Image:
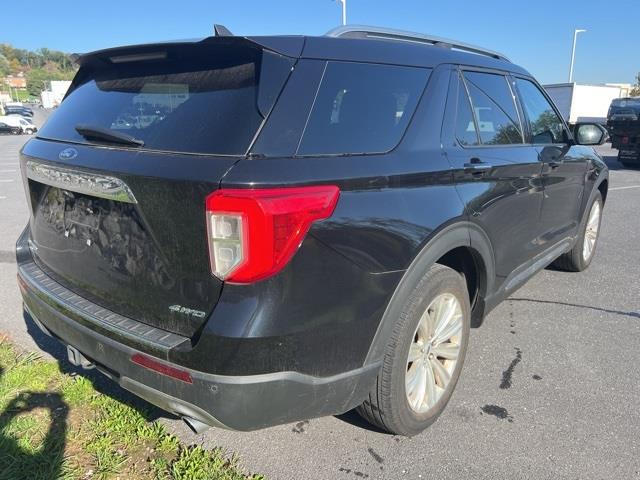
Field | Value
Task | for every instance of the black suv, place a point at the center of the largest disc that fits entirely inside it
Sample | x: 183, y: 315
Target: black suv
x: 248, y: 231
x: 623, y: 122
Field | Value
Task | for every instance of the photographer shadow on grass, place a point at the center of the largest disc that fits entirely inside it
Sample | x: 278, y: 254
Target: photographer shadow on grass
x: 27, y: 451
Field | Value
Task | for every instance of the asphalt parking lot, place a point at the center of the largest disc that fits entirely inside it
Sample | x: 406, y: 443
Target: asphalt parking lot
x: 550, y: 387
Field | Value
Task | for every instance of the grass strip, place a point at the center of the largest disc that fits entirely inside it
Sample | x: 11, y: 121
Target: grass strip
x: 55, y: 424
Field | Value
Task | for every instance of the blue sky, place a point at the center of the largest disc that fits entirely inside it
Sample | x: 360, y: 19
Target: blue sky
x: 534, y: 34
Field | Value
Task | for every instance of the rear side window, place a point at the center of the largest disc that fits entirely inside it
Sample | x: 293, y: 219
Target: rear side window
x: 208, y: 99
x: 494, y: 108
x: 545, y: 124
x: 361, y: 108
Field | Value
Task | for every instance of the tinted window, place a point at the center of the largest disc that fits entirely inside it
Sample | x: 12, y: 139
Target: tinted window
x: 199, y: 99
x: 494, y: 108
x: 624, y: 109
x: 362, y: 108
x: 626, y: 102
x: 466, y: 132
x: 546, y: 127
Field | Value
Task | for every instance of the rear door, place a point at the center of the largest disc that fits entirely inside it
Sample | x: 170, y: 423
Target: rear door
x: 497, y: 175
x: 117, y: 178
x: 564, y: 165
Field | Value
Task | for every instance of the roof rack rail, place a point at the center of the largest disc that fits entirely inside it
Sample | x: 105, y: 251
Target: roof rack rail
x: 364, y: 31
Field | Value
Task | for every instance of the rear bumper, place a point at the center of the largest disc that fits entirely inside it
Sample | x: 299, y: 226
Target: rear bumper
x: 235, y: 402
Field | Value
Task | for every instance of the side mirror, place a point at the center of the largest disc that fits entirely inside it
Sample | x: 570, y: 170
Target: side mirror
x: 589, y: 134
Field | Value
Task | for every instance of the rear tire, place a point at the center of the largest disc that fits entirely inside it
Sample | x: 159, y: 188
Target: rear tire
x: 397, y: 402
x: 580, y: 256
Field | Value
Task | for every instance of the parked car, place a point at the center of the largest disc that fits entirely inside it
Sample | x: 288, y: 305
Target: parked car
x: 313, y: 226
x: 24, y: 111
x: 18, y: 121
x: 623, y: 122
x: 12, y: 129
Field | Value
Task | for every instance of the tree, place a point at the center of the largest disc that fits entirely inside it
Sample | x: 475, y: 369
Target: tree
x: 635, y: 91
x: 5, y: 68
x: 15, y: 66
x: 36, y: 79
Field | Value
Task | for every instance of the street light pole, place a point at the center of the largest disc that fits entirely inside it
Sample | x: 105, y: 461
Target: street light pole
x: 344, y: 11
x: 573, y: 52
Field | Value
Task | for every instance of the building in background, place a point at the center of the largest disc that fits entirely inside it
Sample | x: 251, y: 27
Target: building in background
x: 625, y: 88
x: 53, y: 95
x: 16, y: 81
x: 585, y: 103
x: 15, y: 87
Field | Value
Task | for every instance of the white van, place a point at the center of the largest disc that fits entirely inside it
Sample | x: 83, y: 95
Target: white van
x: 17, y: 121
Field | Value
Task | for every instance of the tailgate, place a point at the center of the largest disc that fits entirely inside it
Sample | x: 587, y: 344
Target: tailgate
x: 139, y: 249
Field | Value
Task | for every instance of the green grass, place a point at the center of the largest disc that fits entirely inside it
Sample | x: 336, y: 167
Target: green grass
x: 23, y: 95
x: 54, y: 425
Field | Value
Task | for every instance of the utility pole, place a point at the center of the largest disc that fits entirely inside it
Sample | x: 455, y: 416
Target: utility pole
x: 573, y: 52
x: 344, y: 11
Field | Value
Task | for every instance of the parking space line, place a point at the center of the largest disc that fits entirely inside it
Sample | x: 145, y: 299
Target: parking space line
x: 6, y: 180
x: 3, y: 198
x: 7, y: 171
x: 624, y: 188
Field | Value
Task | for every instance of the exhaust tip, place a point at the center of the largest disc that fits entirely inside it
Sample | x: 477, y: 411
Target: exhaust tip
x: 196, y: 426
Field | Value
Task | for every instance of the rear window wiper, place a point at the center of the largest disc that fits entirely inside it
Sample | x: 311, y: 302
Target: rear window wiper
x: 105, y: 135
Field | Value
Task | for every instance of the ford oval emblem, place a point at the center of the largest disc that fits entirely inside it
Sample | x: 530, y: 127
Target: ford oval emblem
x: 68, y: 154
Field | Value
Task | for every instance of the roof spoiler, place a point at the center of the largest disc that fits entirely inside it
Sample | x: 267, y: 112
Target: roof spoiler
x: 290, y: 46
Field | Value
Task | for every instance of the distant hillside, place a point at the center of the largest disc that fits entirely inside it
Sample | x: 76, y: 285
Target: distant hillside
x: 37, y: 66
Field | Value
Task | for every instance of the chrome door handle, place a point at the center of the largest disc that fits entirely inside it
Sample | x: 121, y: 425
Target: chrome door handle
x: 477, y: 167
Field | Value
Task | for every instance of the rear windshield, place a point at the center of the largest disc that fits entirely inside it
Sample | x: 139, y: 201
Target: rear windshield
x: 625, y: 106
x: 208, y: 99
x: 626, y: 102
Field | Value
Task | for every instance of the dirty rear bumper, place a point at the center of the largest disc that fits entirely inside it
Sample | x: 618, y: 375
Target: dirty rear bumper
x: 235, y: 402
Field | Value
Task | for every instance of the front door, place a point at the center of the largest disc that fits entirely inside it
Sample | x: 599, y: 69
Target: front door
x: 564, y: 166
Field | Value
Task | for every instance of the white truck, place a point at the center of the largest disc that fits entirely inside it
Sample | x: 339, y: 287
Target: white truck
x: 583, y: 103
x: 52, y: 97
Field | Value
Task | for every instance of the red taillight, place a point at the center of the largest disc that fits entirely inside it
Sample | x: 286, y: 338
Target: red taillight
x: 254, y: 233
x: 162, y: 368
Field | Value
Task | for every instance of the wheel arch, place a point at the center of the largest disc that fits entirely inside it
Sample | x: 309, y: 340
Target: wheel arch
x: 461, y: 246
x: 603, y: 188
x: 601, y: 185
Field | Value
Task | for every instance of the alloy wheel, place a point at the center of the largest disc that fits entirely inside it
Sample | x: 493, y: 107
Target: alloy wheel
x: 433, y: 353
x: 591, y: 232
